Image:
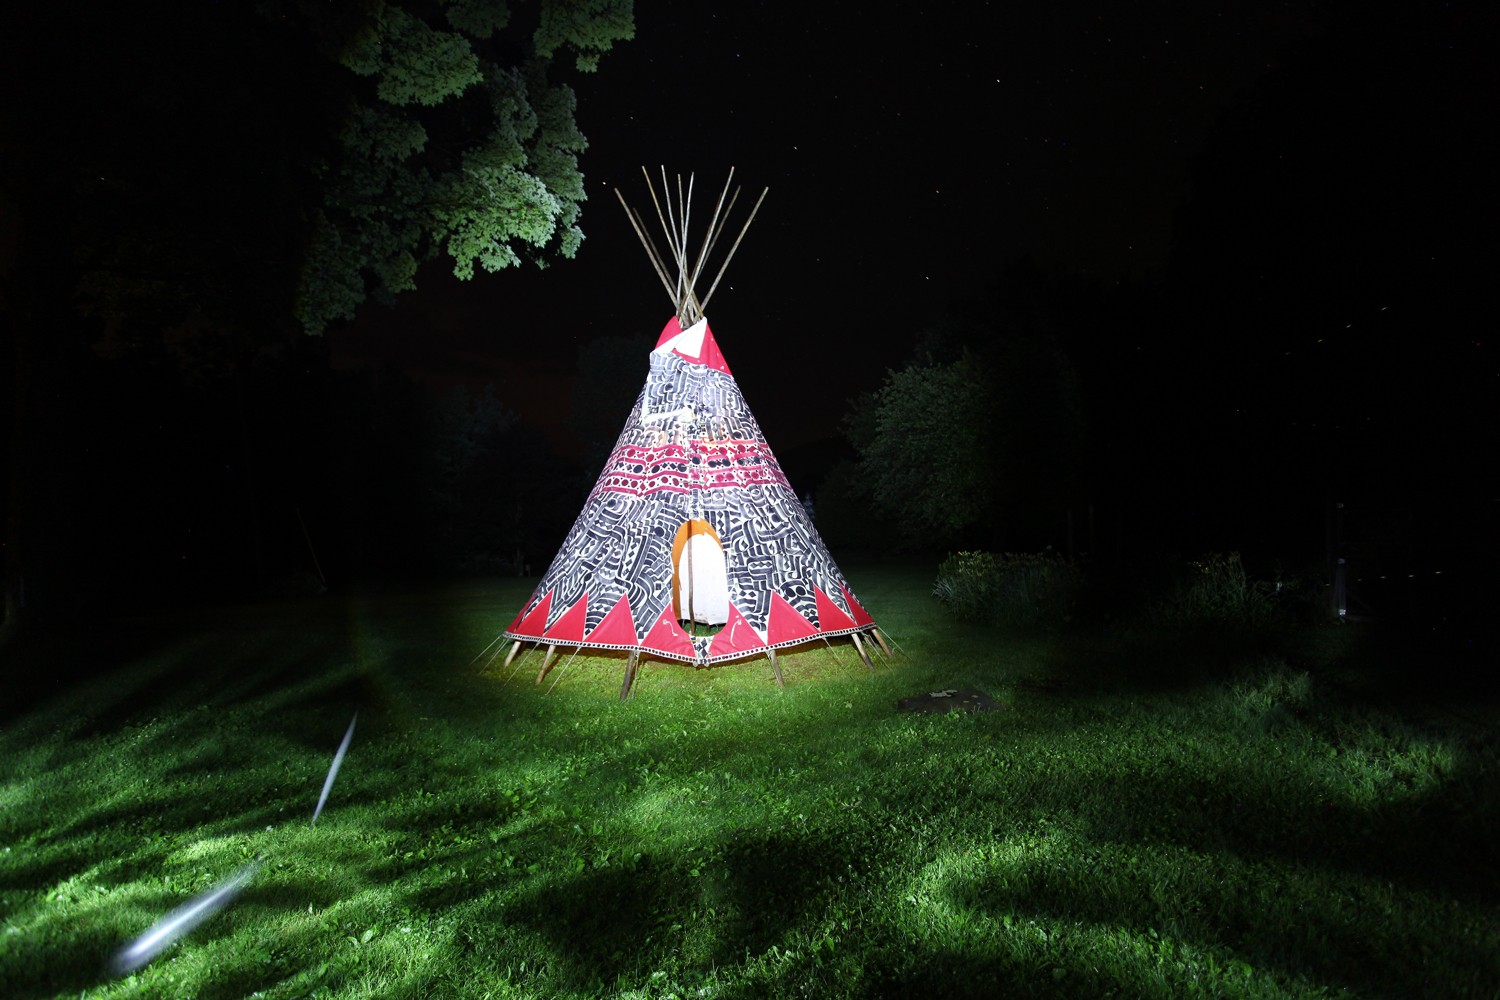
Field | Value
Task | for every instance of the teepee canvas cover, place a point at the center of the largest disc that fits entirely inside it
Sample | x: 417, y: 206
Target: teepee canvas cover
x: 690, y: 519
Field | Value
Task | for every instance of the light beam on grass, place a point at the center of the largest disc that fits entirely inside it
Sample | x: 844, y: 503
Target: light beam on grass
x: 333, y: 772
x: 180, y: 922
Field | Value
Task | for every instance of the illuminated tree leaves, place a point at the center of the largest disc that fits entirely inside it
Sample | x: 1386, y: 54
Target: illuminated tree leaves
x: 502, y: 181
x: 588, y: 26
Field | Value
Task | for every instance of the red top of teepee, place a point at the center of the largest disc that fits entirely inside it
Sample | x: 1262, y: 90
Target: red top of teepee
x: 695, y: 345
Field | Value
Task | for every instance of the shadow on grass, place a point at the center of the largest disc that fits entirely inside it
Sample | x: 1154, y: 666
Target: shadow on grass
x: 1154, y: 662
x: 464, y: 850
x: 1344, y: 940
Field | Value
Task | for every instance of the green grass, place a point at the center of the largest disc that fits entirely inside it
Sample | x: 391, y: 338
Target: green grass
x: 1143, y: 821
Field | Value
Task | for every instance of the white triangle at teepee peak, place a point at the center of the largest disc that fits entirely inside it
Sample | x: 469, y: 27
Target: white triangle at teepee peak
x: 688, y: 343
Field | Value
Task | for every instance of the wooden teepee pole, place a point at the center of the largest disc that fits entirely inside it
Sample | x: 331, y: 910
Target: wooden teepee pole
x: 684, y: 208
x: 650, y: 250
x: 669, y: 228
x: 734, y: 248
x: 546, y: 663
x: 674, y: 221
x: 674, y: 233
x: 709, y: 235
x: 722, y: 223
x: 687, y: 213
x: 666, y: 228
x: 631, y: 660
x: 661, y: 261
x: 861, y: 647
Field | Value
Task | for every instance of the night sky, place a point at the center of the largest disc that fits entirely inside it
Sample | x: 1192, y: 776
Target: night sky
x: 1262, y: 233
x: 910, y: 150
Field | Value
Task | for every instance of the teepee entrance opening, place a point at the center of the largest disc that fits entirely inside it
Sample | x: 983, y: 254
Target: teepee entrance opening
x: 700, y: 580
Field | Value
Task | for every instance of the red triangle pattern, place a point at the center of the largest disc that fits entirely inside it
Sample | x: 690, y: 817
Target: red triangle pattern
x: 830, y: 618
x: 784, y: 624
x: 536, y: 622
x: 667, y: 636
x: 569, y: 625
x: 618, y: 627
x: 861, y: 616
x: 711, y: 355
x: 736, y: 636
x: 672, y: 329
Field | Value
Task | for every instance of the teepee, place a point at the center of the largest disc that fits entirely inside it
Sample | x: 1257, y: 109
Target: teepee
x: 691, y: 520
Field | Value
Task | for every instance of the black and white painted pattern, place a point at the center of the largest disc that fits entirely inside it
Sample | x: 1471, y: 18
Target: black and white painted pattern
x: 691, y: 448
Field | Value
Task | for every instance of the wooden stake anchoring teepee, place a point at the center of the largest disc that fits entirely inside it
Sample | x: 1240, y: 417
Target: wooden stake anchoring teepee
x: 674, y: 224
x: 692, y: 520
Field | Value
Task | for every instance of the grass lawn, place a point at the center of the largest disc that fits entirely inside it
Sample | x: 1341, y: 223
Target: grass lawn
x: 1147, y: 818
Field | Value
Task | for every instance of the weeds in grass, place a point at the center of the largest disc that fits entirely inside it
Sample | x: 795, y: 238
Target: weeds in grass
x: 1010, y: 589
x: 1217, y: 594
x: 1258, y: 838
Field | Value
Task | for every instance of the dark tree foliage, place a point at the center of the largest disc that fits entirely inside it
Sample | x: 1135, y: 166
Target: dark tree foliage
x: 257, y: 165
x: 844, y: 516
x: 611, y: 372
x: 189, y: 187
x: 981, y: 439
x: 503, y: 497
x: 442, y: 484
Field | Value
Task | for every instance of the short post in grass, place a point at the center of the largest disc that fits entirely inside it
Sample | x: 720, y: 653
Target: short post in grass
x: 491, y: 661
x: 515, y: 647
x: 546, y: 663
x: 771, y: 655
x: 861, y: 648
x: 521, y: 662
x: 631, y: 660
x: 881, y: 639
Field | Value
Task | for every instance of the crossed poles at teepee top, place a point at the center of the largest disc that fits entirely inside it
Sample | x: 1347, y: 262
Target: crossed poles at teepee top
x: 674, y: 223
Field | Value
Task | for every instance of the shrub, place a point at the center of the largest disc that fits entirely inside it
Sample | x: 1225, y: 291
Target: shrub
x: 1218, y: 594
x: 1017, y: 589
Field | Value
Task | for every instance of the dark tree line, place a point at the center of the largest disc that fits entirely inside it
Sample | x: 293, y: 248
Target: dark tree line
x: 981, y: 440
x: 188, y: 190
x: 1320, y: 337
